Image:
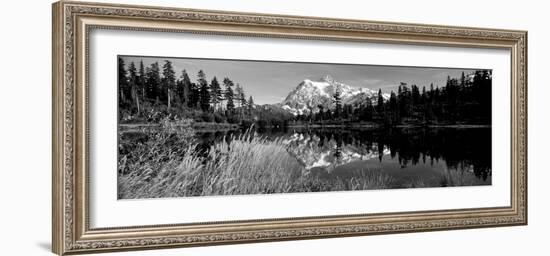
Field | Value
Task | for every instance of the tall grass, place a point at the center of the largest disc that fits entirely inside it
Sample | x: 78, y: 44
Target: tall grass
x: 246, y: 165
x: 167, y: 164
x: 457, y: 177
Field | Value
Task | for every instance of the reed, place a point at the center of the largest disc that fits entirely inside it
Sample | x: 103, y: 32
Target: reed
x: 168, y: 165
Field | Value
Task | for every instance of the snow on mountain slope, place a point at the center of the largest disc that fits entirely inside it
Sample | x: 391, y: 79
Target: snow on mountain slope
x: 309, y: 95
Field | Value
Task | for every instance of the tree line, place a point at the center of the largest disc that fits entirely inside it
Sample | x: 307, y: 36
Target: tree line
x: 463, y: 100
x: 147, y: 94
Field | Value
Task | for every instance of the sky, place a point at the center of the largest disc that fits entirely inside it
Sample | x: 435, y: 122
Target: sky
x: 270, y: 82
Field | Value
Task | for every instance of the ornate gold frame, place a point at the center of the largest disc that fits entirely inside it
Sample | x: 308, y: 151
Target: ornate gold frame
x: 72, y: 22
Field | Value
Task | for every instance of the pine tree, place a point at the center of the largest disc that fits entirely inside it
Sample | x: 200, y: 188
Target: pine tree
x: 169, y: 80
x: 204, y: 94
x: 380, y: 104
x: 337, y: 101
x: 393, y: 109
x: 428, y: 112
x: 462, y: 79
x: 404, y: 101
x: 321, y: 113
x: 148, y: 88
x: 240, y: 98
x: 153, y: 82
x: 229, y: 95
x: 423, y: 95
x: 122, y: 81
x: 347, y: 111
x: 194, y: 96
x: 216, y: 93
x: 431, y: 92
x: 142, y: 81
x: 133, y: 83
x: 204, y: 97
x: 184, y: 88
x: 415, y: 95
x: 250, y: 105
x: 238, y: 95
x: 367, y: 111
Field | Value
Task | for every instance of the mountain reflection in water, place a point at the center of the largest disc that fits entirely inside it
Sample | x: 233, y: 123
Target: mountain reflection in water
x: 423, y: 157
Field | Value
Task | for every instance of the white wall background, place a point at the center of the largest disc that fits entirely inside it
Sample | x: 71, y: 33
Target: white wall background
x: 25, y: 114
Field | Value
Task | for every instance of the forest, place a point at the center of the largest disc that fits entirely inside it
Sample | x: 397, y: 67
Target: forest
x: 150, y: 94
x: 461, y: 101
x: 156, y: 92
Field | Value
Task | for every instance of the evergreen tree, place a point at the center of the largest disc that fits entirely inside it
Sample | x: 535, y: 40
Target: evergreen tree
x: 462, y: 79
x: 380, y: 104
x: 393, y: 109
x: 201, y: 78
x: 204, y: 94
x: 404, y: 101
x: 415, y: 93
x: 367, y: 111
x: 328, y: 114
x: 142, y: 81
x: 229, y: 95
x: 451, y: 93
x: 240, y: 98
x: 153, y: 82
x: 250, y: 105
x: 216, y: 93
x: 184, y: 88
x: 425, y: 103
x: 347, y: 111
x: 337, y: 101
x: 194, y: 96
x: 423, y: 95
x: 169, y: 81
x: 431, y: 92
x: 239, y: 93
x: 122, y: 81
x: 320, y: 115
x: 133, y: 83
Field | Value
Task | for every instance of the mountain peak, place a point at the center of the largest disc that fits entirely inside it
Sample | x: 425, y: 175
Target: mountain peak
x: 310, y: 96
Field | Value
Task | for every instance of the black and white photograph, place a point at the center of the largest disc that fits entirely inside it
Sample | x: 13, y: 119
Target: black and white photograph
x: 275, y: 127
x: 211, y: 127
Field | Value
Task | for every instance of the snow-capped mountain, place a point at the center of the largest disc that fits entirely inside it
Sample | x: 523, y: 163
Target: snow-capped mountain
x: 309, y: 95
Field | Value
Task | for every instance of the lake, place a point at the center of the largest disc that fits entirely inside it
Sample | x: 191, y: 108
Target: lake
x: 411, y: 156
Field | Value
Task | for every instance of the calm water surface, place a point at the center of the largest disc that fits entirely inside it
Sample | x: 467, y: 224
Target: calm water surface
x: 423, y: 157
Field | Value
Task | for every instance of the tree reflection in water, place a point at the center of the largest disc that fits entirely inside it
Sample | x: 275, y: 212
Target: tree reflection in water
x: 418, y: 152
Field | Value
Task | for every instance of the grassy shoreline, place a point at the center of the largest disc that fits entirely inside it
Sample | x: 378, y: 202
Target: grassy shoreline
x: 203, y: 126
x: 249, y: 165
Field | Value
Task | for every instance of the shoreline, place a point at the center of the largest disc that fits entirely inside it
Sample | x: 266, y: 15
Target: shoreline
x: 377, y: 125
x: 204, y: 126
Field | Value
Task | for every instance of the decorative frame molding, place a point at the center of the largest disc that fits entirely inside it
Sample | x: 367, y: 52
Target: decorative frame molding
x: 72, y: 22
